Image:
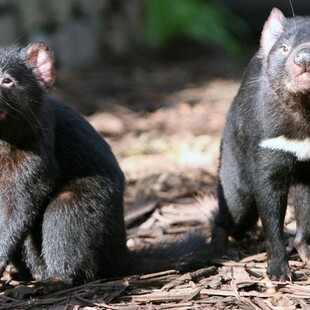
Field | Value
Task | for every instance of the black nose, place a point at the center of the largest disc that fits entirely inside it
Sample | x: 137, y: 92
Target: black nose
x: 302, y: 58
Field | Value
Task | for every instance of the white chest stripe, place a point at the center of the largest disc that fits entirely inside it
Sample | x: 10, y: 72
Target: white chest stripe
x: 300, y: 148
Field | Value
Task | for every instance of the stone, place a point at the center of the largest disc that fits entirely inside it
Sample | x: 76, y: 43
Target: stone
x: 76, y: 45
x: 92, y: 7
x: 4, y: 4
x: 31, y: 13
x: 59, y: 11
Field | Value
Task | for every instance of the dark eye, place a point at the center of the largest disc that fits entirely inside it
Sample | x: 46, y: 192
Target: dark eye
x: 7, y: 82
x: 285, y: 48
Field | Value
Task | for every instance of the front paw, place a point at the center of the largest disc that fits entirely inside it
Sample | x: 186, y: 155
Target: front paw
x: 279, y: 271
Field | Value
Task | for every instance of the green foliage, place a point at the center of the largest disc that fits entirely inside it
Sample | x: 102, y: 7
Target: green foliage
x: 201, y: 20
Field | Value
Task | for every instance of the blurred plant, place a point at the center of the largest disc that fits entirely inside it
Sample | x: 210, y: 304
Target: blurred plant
x: 201, y: 20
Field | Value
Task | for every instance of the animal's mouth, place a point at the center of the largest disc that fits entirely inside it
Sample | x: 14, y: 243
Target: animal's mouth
x: 299, y: 82
x: 303, y: 76
x: 302, y: 82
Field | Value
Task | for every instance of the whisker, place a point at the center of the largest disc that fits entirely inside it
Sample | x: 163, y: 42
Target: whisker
x: 292, y: 8
x: 293, y: 13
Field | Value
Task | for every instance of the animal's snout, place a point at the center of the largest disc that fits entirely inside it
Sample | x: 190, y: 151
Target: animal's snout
x: 302, y: 58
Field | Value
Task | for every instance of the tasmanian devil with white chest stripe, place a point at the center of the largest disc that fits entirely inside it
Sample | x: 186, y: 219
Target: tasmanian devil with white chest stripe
x: 265, y: 149
x: 61, y: 189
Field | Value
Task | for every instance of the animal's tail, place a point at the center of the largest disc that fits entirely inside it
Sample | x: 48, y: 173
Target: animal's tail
x: 188, y: 253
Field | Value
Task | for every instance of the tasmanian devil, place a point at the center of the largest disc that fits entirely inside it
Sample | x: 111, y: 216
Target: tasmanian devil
x: 265, y: 149
x: 61, y: 189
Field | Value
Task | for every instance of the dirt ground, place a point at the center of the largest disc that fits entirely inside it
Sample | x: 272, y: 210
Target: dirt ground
x: 163, y: 119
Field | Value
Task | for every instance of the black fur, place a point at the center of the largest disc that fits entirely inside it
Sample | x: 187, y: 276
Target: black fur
x: 273, y: 101
x: 61, y: 189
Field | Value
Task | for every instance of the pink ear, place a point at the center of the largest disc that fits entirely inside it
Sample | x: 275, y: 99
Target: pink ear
x: 273, y: 28
x: 41, y: 59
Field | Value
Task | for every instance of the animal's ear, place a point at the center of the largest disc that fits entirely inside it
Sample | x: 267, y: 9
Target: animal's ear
x: 273, y: 28
x: 40, y: 58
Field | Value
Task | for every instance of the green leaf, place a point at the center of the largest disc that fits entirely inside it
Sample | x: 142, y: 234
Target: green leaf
x: 200, y: 20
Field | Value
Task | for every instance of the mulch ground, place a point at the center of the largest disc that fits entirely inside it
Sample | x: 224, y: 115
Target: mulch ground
x: 164, y: 121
